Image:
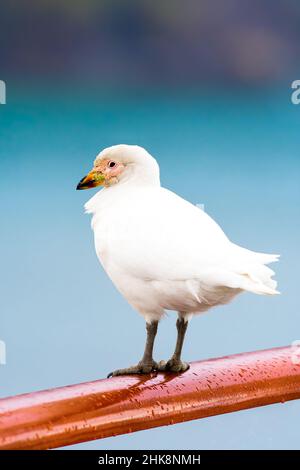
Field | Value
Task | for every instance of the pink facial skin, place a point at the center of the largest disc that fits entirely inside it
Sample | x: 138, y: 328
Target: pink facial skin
x: 110, y: 169
x: 114, y: 171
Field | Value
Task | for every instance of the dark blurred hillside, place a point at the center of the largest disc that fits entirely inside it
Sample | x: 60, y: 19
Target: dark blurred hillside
x: 233, y: 42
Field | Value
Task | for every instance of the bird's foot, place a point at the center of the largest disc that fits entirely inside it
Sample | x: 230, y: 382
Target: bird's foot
x: 140, y: 368
x: 173, y: 365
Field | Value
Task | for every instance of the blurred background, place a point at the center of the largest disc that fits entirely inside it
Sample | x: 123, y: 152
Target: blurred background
x: 205, y: 86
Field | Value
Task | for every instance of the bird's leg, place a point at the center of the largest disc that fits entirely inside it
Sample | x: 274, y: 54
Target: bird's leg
x: 147, y: 364
x: 175, y: 364
x: 148, y: 353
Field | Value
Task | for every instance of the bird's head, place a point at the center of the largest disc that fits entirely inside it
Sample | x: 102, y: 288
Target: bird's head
x: 121, y: 163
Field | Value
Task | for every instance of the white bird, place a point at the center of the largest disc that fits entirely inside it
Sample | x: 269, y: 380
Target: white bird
x: 162, y: 252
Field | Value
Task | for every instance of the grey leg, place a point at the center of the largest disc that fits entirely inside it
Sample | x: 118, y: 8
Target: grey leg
x: 147, y: 364
x: 175, y: 364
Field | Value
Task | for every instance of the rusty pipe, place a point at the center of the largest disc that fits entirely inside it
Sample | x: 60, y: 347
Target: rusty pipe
x: 94, y: 410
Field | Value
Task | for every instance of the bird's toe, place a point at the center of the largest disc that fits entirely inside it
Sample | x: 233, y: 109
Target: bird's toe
x: 140, y: 368
x: 173, y: 365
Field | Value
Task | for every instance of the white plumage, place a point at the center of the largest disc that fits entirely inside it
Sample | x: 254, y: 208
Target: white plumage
x: 162, y: 252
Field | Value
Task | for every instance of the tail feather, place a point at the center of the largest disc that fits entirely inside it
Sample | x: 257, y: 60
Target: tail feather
x: 258, y: 277
x: 267, y: 259
x: 254, y: 275
x: 258, y: 285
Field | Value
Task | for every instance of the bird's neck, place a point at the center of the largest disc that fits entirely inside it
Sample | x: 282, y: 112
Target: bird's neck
x: 118, y: 191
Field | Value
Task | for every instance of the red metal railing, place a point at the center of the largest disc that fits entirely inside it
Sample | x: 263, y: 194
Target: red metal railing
x: 94, y: 410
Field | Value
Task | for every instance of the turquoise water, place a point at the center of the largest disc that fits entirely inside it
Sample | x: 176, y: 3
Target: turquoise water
x: 61, y: 318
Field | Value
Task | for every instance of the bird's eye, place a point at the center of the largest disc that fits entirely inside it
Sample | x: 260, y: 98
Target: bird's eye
x: 111, y: 164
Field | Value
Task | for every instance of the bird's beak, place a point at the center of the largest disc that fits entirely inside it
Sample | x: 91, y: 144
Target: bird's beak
x: 93, y: 179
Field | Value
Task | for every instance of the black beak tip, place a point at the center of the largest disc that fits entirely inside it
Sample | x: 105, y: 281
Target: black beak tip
x: 80, y: 185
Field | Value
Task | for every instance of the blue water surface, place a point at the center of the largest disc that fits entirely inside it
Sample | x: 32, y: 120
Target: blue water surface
x: 63, y: 321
